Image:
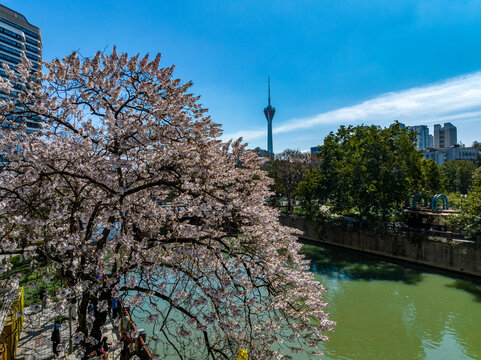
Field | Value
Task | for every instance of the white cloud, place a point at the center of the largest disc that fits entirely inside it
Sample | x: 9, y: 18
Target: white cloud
x: 245, y: 134
x: 454, y: 99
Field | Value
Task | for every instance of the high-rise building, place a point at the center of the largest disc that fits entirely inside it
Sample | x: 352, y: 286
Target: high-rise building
x: 269, y: 112
x: 18, y: 36
x: 446, y: 136
x: 422, y: 136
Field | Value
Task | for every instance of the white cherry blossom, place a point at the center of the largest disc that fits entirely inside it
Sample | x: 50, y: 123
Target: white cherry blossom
x: 127, y: 191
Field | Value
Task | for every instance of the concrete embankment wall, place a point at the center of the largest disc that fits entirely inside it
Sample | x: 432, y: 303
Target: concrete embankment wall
x: 454, y: 256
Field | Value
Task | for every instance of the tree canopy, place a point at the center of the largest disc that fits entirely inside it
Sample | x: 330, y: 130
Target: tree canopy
x: 458, y: 175
x: 367, y: 170
x: 127, y: 190
x: 288, y: 169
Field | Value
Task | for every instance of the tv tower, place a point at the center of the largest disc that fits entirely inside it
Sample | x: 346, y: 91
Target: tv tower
x: 269, y: 112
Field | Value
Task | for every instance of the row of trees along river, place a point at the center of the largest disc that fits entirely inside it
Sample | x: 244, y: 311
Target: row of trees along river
x: 366, y: 172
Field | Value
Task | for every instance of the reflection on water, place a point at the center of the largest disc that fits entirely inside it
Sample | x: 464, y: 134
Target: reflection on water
x: 469, y: 287
x: 347, y: 265
x: 387, y: 310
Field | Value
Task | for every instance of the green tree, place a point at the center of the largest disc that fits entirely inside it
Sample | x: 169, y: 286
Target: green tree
x: 469, y: 216
x: 477, y: 178
x: 457, y: 175
x: 366, y: 170
x: 310, y: 192
x: 432, y: 179
x: 288, y: 169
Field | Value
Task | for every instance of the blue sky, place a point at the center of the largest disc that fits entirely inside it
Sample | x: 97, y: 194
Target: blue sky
x: 330, y: 62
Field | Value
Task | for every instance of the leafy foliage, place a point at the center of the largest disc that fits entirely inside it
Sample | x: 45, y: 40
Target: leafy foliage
x: 432, y: 180
x: 469, y: 216
x: 33, y: 279
x: 477, y: 178
x: 458, y: 175
x: 288, y: 169
x: 367, y: 170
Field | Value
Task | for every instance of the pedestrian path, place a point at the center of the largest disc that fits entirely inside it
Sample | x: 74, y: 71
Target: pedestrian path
x: 35, y: 340
x: 35, y: 343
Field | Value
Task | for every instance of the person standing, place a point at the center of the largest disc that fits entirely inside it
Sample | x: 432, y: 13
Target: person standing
x: 115, y: 308
x: 104, y: 349
x: 125, y: 339
x: 55, y: 339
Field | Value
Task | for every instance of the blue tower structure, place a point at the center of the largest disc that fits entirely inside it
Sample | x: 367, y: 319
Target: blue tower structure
x: 269, y: 112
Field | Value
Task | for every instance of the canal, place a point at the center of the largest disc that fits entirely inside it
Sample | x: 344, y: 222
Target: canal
x: 387, y: 310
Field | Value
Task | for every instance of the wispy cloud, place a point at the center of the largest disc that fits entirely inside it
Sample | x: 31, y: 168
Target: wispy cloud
x: 454, y: 99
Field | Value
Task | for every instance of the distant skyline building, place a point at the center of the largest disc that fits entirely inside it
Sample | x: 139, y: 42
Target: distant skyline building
x: 18, y: 36
x: 422, y: 136
x: 440, y: 156
x: 446, y: 136
x: 269, y: 112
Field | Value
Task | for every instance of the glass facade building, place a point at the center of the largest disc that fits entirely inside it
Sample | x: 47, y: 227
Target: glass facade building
x: 422, y: 136
x: 18, y: 36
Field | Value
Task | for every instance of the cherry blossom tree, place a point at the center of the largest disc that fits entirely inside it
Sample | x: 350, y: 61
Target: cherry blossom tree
x: 127, y: 191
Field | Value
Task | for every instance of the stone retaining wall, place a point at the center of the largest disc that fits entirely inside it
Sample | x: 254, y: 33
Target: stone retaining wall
x: 449, y: 255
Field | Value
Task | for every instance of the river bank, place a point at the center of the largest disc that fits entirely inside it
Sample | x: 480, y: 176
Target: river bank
x: 461, y: 257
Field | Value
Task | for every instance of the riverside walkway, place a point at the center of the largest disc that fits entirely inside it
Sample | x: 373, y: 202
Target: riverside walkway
x: 35, y: 340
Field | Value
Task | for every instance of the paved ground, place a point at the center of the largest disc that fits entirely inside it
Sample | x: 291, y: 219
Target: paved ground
x: 35, y: 343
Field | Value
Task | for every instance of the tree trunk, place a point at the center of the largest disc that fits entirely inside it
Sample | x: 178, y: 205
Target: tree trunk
x: 82, y: 313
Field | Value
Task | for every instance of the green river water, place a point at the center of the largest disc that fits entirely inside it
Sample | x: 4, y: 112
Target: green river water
x: 387, y: 310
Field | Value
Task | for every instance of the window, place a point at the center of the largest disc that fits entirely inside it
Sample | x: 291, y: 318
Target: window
x: 31, y: 49
x: 10, y: 33
x: 10, y: 66
x: 9, y: 50
x: 9, y: 58
x: 32, y: 57
x: 33, y: 42
x: 30, y: 33
x: 10, y: 42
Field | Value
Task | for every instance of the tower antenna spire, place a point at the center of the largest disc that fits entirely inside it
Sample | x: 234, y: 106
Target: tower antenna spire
x: 269, y: 90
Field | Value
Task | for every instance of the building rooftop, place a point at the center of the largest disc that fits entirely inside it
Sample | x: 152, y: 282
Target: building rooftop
x: 17, y: 18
